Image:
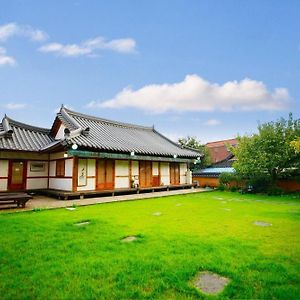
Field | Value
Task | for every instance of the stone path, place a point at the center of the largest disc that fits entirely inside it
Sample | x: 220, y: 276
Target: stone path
x: 210, y: 283
x: 43, y: 202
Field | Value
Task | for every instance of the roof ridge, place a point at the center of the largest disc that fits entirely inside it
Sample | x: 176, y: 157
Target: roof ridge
x: 28, y: 126
x: 226, y: 140
x: 176, y: 144
x: 124, y: 124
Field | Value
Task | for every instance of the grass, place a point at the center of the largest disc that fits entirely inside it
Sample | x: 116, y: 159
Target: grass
x: 44, y: 255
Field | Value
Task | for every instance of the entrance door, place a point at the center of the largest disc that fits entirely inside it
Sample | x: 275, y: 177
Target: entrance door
x: 105, y: 174
x: 145, y: 173
x: 174, y: 174
x: 17, y: 175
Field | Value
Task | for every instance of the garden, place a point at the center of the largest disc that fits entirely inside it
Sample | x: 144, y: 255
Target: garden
x: 154, y: 249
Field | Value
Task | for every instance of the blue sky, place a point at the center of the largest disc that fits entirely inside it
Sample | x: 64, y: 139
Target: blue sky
x: 210, y: 69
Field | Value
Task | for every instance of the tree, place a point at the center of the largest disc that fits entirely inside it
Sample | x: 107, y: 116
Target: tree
x: 192, y: 142
x: 269, y: 153
x: 296, y: 145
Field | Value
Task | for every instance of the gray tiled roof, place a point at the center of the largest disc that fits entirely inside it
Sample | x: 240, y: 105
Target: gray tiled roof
x: 114, y: 136
x: 23, y: 137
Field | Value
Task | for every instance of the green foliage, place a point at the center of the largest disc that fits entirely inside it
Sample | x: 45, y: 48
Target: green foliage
x: 228, y: 178
x: 221, y: 187
x: 192, y: 142
x: 233, y: 188
x: 269, y: 152
x: 296, y: 145
x: 259, y: 184
x: 275, y: 191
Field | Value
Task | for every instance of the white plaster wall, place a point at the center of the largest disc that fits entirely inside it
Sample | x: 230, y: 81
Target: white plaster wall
x: 37, y: 174
x: 36, y: 183
x: 3, y: 184
x: 189, y: 177
x: 90, y: 185
x: 121, y: 174
x: 121, y: 182
x: 165, y: 173
x: 91, y: 171
x: 154, y: 168
x: 121, y: 168
x: 183, y: 169
x: 60, y: 133
x: 135, y: 168
x: 52, y: 169
x: 61, y: 184
x: 69, y: 167
x: 3, y: 168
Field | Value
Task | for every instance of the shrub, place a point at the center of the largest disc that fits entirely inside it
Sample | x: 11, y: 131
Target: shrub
x: 272, y: 191
x: 260, y: 184
x: 221, y: 187
x: 233, y: 188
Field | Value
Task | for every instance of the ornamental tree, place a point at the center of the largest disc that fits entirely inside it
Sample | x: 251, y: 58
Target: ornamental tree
x: 192, y: 142
x: 269, y: 152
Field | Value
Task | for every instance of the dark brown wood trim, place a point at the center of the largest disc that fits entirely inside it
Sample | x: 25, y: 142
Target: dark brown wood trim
x: 55, y: 127
x: 61, y: 177
x: 28, y: 159
x: 62, y: 158
x: 130, y: 172
x: 75, y: 174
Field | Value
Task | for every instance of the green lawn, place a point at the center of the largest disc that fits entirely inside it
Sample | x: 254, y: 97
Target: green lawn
x: 43, y: 255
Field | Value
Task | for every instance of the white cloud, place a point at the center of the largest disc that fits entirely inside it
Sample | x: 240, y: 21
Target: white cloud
x: 196, y: 94
x: 67, y: 50
x: 15, y: 106
x: 13, y: 29
x: 89, y: 47
x: 212, y: 122
x: 5, y: 59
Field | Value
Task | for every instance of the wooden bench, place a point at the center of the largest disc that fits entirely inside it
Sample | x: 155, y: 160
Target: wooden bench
x: 14, y: 198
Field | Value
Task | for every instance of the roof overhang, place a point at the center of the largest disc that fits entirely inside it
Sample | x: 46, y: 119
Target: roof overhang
x: 91, y: 154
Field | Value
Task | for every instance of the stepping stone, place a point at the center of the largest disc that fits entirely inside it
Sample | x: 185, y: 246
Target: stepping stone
x: 210, y: 283
x: 227, y: 209
x: 82, y: 223
x: 262, y: 223
x: 178, y: 204
x: 224, y: 202
x: 70, y: 208
x: 129, y: 239
x: 157, y: 213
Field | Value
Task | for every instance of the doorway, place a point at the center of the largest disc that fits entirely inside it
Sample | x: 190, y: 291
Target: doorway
x: 174, y: 174
x: 105, y: 174
x: 145, y: 174
x: 17, y: 175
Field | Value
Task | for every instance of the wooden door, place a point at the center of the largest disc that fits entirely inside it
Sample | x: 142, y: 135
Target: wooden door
x: 145, y: 173
x: 174, y: 174
x: 17, y: 175
x: 105, y: 174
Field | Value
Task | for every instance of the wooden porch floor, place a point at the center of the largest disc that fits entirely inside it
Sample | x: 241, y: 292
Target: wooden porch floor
x: 65, y: 195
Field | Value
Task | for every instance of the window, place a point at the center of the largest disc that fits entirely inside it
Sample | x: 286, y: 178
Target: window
x: 60, y: 168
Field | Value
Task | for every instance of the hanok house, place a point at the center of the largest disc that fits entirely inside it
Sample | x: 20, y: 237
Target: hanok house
x: 222, y: 161
x: 83, y: 154
x: 219, y: 151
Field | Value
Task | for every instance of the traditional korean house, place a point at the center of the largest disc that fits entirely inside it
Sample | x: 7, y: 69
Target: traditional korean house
x: 82, y: 153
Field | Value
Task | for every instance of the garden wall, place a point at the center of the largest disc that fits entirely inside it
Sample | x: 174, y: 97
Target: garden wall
x: 287, y: 185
